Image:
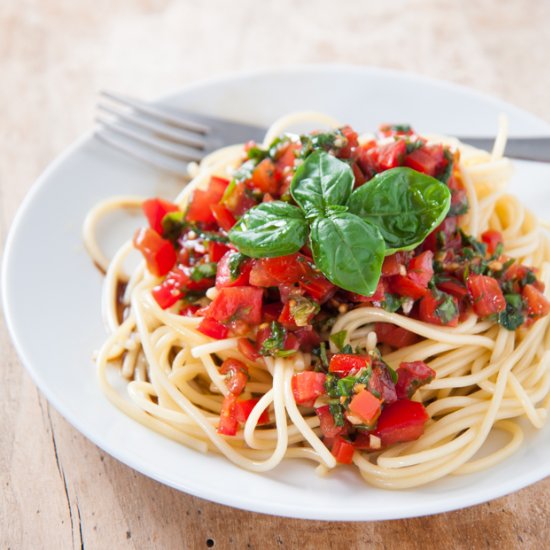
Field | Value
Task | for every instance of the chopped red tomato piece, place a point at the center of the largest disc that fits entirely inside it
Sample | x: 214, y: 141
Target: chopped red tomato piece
x: 245, y: 407
x: 439, y: 308
x: 236, y: 375
x: 307, y: 338
x: 411, y: 376
x: 225, y: 219
x: 268, y: 272
x: 346, y: 363
x: 264, y: 177
x: 351, y: 142
x: 308, y: 386
x: 238, y: 199
x: 248, y: 349
x: 343, y: 450
x: 393, y: 264
x: 199, y: 208
x: 366, y: 406
x: 453, y: 286
x: 381, y: 383
x: 537, y: 304
x: 394, y: 336
x: 487, y: 297
x: 401, y: 421
x: 155, y: 210
x: 216, y: 250
x: 228, y: 417
x: 405, y: 286
x: 213, y: 328
x: 159, y: 253
x: 237, y: 303
x: 171, y: 289
x: 328, y: 427
x: 492, y: 238
x: 318, y: 287
x: 420, y: 269
x: 223, y: 274
x: 391, y: 155
x: 422, y: 160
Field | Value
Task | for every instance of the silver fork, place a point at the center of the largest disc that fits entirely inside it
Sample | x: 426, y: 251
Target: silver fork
x: 170, y: 138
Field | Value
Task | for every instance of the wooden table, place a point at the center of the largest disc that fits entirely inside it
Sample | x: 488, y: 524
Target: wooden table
x: 57, y: 489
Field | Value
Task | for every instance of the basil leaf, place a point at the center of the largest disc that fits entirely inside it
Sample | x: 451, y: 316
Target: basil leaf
x: 404, y: 204
x: 339, y: 338
x: 320, y: 182
x: 270, y: 229
x: 349, y: 251
x: 204, y: 271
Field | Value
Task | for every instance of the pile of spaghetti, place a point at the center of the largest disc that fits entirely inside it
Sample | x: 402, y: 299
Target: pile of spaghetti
x: 340, y: 298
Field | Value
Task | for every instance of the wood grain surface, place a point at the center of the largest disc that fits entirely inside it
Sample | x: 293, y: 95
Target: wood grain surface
x: 57, y: 490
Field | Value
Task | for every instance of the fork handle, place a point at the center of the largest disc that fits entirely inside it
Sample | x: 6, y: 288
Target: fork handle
x: 525, y: 148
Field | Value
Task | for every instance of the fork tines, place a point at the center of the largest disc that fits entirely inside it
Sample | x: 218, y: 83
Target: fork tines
x: 150, y: 133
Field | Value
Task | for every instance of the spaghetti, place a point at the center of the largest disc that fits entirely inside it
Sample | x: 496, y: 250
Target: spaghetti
x: 161, y: 367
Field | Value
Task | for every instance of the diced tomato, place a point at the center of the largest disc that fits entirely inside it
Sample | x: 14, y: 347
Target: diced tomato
x: 238, y: 199
x: 237, y: 303
x: 391, y: 155
x: 245, y: 407
x: 225, y: 219
x: 159, y: 253
x: 519, y: 274
x: 411, y: 376
x: 318, y: 287
x: 422, y: 160
x: 285, y: 317
x: 454, y: 287
x: 216, y: 250
x: 171, y: 289
x: 286, y: 158
x: 392, y: 264
x: 189, y: 310
x: 358, y: 175
x: 351, y: 142
x: 366, y: 406
x: 199, y: 207
x: 268, y: 272
x: 307, y: 386
x: 404, y: 286
x: 343, y: 450
x: 400, y: 422
x: 289, y: 321
x: 381, y: 383
x: 328, y: 427
x: 394, y: 336
x: 264, y: 178
x: 248, y: 349
x: 228, y: 417
x: 155, y: 210
x: 486, y: 295
x: 236, y: 375
x: 367, y: 159
x: 430, y: 311
x: 537, y: 304
x: 307, y: 338
x: 213, y: 328
x: 291, y: 342
x: 223, y: 273
x: 346, y: 363
x: 420, y: 269
x: 492, y: 238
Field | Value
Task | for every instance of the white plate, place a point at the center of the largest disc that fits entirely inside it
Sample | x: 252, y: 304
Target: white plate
x: 51, y: 290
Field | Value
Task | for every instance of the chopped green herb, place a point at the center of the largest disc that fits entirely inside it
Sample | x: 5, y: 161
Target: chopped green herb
x: 204, y: 271
x: 302, y: 310
x: 339, y: 338
x: 244, y: 172
x: 173, y: 225
x: 275, y: 342
x: 447, y: 309
x: 512, y: 317
x: 337, y: 412
x: 236, y: 261
x: 392, y: 302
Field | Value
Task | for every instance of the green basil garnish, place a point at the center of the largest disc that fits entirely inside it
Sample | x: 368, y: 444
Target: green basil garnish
x: 320, y: 182
x: 404, y: 204
x: 348, y: 251
x: 270, y: 229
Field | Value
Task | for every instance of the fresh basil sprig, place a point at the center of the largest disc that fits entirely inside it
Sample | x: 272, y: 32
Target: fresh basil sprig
x: 350, y: 232
x: 270, y: 229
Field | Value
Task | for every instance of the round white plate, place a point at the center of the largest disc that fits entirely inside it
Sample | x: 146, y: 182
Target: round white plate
x: 51, y: 290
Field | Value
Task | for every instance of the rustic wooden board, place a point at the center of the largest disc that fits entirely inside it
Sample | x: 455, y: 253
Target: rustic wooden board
x: 57, y: 489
